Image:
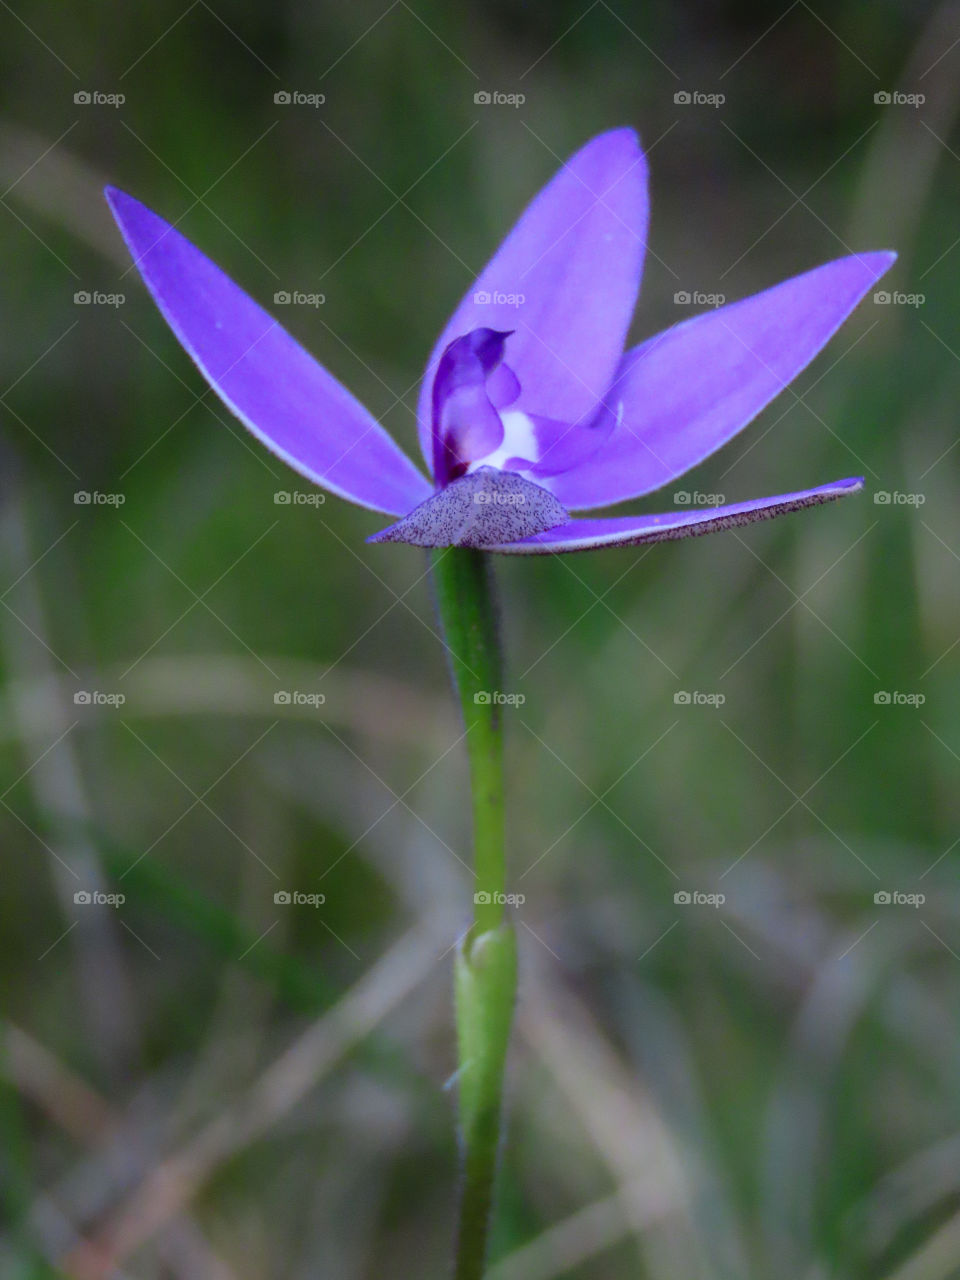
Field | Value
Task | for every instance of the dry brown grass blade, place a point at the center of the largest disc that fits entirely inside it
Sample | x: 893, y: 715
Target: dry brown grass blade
x: 171, y: 1184
x: 87, y: 1117
x: 580, y: 1237
x: 224, y: 684
x: 935, y: 1260
x: 621, y: 1123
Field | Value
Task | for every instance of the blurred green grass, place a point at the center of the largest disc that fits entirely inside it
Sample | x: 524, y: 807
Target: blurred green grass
x: 798, y: 1046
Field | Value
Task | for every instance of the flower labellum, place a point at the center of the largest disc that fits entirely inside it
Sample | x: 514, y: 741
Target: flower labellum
x: 530, y: 407
x: 487, y: 506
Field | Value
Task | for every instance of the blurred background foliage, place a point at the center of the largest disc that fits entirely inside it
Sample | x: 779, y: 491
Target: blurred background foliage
x: 203, y: 1082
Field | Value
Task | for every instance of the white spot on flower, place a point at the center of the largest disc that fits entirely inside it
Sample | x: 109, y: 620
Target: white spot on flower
x: 519, y: 441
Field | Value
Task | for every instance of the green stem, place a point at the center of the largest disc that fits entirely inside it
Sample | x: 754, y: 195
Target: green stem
x: 486, y: 967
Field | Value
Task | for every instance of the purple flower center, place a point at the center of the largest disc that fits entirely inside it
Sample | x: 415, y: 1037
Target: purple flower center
x: 471, y: 384
x: 472, y: 388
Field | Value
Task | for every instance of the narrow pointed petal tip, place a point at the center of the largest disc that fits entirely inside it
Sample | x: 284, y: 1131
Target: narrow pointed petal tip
x: 684, y: 393
x: 277, y: 390
x: 626, y: 531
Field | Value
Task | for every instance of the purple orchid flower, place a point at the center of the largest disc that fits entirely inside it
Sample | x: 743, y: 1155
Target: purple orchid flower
x: 530, y: 408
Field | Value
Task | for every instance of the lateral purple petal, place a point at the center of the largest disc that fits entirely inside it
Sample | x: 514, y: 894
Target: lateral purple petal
x: 690, y: 389
x: 262, y: 375
x: 625, y: 531
x: 565, y: 280
x: 562, y: 446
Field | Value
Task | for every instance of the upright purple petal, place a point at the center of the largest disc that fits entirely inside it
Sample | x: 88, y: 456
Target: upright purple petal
x: 274, y: 387
x: 565, y: 280
x: 625, y: 531
x: 687, y: 391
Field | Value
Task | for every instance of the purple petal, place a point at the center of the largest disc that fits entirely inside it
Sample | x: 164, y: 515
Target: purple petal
x: 688, y: 390
x: 561, y: 446
x: 574, y: 258
x: 486, y: 506
x: 503, y: 386
x: 274, y: 387
x: 625, y: 531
